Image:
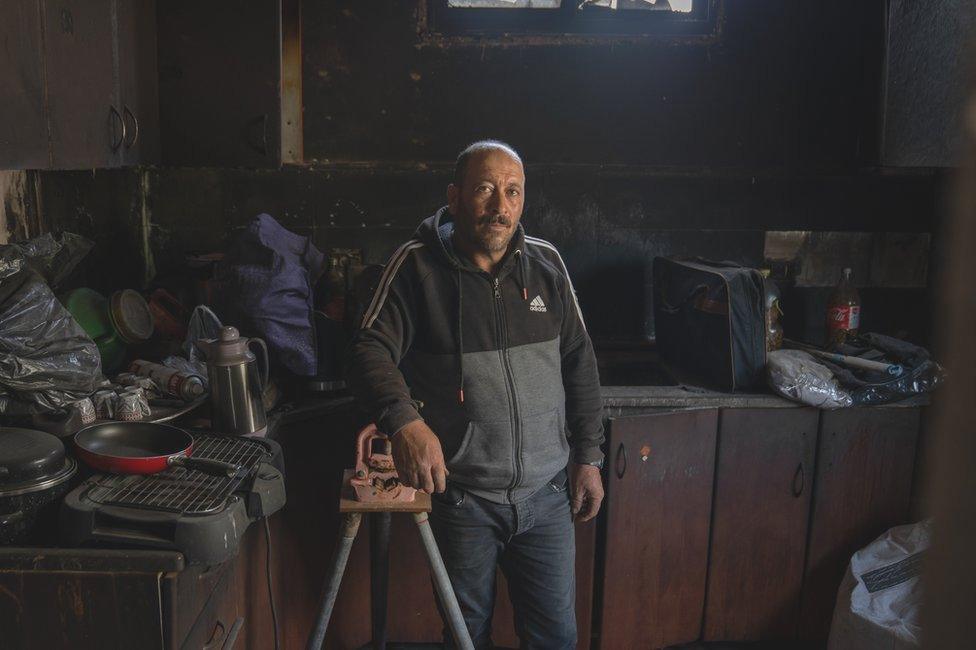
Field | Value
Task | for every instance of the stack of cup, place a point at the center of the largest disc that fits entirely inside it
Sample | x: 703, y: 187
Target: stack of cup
x: 131, y: 404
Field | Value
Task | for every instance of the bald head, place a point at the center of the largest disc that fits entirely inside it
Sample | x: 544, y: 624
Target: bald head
x: 477, y: 149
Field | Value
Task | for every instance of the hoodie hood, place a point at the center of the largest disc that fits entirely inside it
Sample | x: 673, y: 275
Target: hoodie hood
x: 436, y: 231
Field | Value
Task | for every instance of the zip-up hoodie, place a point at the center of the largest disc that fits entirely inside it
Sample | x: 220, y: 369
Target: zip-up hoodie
x: 500, y: 366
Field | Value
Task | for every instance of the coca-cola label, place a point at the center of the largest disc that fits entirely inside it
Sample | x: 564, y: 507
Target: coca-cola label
x: 844, y: 318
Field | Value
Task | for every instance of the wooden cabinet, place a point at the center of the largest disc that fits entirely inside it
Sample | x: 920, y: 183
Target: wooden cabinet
x: 796, y: 492
x: 763, y: 482
x: 865, y: 462
x: 219, y: 624
x: 84, y: 119
x: 725, y: 525
x: 61, y: 598
x: 219, y: 83
x: 23, y: 127
x: 138, y: 80
x: 82, y: 77
x: 659, y: 495
x: 101, y: 598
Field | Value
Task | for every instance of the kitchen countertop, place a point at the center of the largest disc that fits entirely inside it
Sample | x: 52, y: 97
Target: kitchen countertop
x: 635, y: 381
x: 631, y: 400
x: 617, y: 397
x: 617, y: 401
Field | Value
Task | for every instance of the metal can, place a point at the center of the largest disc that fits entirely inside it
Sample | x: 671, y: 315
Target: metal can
x: 169, y: 380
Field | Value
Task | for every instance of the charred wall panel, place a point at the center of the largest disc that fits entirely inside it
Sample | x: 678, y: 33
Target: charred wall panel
x: 608, y: 226
x: 781, y: 84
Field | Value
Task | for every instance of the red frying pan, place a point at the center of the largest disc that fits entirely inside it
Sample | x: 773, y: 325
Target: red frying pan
x: 142, y: 448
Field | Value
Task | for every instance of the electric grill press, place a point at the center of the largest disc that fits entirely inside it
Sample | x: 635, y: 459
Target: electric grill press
x: 200, y: 515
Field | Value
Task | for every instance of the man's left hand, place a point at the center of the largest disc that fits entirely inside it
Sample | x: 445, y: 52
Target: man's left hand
x: 587, y: 491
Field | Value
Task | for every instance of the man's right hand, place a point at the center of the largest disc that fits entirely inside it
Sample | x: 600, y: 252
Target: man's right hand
x: 418, y: 458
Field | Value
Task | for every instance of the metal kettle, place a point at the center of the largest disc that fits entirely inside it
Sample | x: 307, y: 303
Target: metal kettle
x: 235, y: 387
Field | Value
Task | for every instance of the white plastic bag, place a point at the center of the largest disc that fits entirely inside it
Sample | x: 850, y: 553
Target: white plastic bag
x: 798, y: 376
x: 880, y: 600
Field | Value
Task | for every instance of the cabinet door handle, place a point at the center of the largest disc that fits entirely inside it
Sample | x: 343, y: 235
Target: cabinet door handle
x: 798, y: 481
x: 621, y: 461
x: 216, y: 637
x: 114, y: 112
x: 135, y: 126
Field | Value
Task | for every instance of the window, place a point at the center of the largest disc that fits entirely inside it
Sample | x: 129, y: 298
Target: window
x: 535, y: 18
x: 682, y: 6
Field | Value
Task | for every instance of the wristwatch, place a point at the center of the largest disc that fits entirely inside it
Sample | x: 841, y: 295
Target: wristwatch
x: 595, y: 463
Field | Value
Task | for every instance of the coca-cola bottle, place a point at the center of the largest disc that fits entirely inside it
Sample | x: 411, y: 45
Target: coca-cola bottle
x: 843, y: 311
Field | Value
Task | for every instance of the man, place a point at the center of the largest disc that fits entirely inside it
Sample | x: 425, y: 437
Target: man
x: 474, y: 350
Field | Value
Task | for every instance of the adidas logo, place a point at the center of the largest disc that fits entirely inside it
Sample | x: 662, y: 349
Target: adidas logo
x: 537, y: 304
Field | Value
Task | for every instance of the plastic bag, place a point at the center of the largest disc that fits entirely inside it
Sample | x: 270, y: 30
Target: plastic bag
x: 798, y: 376
x: 205, y: 325
x: 56, y: 255
x: 264, y: 287
x: 921, y: 375
x: 879, y: 601
x: 47, y: 362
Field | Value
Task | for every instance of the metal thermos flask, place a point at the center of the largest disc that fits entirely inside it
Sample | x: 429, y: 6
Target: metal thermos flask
x: 235, y: 387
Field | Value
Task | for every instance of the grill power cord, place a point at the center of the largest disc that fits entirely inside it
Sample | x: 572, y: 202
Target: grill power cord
x: 267, y: 565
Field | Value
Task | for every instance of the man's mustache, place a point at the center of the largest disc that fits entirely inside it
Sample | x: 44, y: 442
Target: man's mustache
x: 491, y: 220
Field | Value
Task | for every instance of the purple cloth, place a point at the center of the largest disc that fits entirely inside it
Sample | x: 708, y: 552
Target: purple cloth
x: 265, y: 288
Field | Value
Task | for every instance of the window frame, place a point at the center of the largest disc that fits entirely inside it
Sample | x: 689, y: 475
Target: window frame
x: 519, y: 25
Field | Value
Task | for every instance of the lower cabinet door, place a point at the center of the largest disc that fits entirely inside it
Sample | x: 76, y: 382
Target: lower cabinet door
x: 763, y: 483
x: 865, y: 462
x: 219, y: 623
x: 660, y: 469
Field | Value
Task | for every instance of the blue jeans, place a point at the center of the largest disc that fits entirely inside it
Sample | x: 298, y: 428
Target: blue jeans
x: 534, y: 543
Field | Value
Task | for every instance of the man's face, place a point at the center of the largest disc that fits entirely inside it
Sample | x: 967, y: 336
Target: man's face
x: 488, y: 206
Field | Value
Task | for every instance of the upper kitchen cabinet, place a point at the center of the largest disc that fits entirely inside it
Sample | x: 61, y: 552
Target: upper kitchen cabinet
x: 80, y: 79
x: 219, y: 83
x: 923, y: 94
x: 138, y: 80
x: 23, y: 127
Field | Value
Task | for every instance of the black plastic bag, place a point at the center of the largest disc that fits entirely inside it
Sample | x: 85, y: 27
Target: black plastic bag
x: 920, y: 375
x: 47, y: 361
x: 55, y: 255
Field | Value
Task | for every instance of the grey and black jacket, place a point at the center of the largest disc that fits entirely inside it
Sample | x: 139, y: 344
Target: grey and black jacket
x: 500, y: 366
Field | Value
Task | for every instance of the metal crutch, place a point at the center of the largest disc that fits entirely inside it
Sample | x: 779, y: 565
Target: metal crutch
x: 350, y: 526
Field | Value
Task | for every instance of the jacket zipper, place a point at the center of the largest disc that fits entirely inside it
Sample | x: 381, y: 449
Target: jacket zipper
x: 510, y: 386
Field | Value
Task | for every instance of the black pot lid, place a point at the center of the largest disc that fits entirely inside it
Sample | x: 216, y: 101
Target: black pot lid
x: 28, y: 456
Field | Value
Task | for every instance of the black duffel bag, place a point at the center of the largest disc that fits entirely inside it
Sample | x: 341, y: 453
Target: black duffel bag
x: 710, y: 321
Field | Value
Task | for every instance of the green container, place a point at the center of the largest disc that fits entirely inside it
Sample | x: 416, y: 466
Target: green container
x: 113, y: 323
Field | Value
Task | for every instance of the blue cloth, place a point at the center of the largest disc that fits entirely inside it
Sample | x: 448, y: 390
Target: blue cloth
x: 534, y: 543
x: 265, y: 287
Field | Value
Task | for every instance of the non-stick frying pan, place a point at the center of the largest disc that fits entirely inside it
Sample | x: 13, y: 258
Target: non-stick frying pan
x: 142, y: 448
